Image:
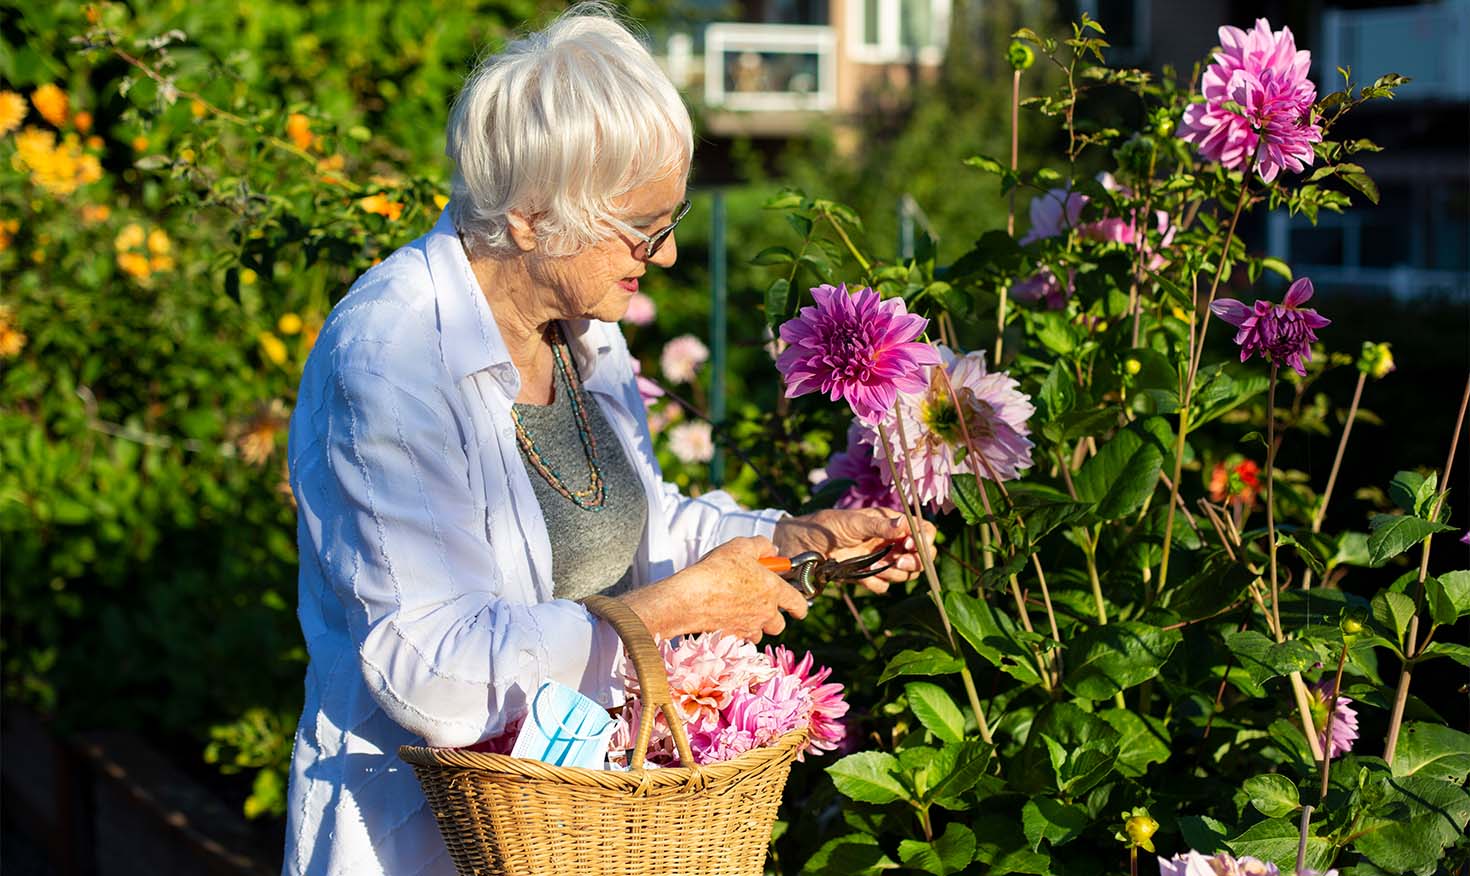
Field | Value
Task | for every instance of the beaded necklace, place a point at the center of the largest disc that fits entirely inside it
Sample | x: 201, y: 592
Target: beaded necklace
x: 592, y: 497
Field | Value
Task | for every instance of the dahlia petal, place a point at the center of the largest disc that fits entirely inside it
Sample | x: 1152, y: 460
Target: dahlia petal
x: 1299, y: 293
x: 1232, y: 311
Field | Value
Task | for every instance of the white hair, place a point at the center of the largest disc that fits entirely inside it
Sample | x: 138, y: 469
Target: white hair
x: 558, y: 124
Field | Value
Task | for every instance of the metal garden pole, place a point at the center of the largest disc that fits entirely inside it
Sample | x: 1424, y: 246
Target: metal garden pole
x: 717, y: 331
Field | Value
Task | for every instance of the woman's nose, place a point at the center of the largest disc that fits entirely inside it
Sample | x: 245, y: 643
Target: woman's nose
x: 667, y: 254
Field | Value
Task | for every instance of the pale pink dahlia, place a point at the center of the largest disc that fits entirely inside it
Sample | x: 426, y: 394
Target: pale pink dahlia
x: 692, y: 442
x: 1258, y: 103
x: 1222, y: 864
x: 1054, y: 213
x: 641, y: 310
x: 706, y: 670
x: 681, y: 358
x: 855, y: 346
x: 995, y: 415
x: 856, y: 464
x: 1344, y: 720
x: 1281, y: 333
x: 647, y: 389
x: 828, y: 730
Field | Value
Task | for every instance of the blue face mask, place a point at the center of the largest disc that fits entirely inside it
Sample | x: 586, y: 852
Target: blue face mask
x: 565, y: 728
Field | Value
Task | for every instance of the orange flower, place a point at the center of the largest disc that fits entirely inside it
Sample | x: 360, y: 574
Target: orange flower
x: 94, y: 142
x: 12, y: 111
x: 140, y: 143
x: 93, y: 214
x: 1238, y: 482
x: 52, y: 103
x: 83, y: 121
x: 198, y: 108
x: 12, y: 341
x: 158, y: 242
x: 8, y: 227
x: 134, y: 265
x: 298, y: 128
x: 259, y: 439
x: 381, y: 205
x: 160, y: 263
x: 57, y: 168
x: 131, y: 237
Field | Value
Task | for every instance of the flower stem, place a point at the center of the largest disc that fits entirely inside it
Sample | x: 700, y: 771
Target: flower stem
x: 1411, y: 640
x: 1196, y: 352
x: 1331, y: 715
x: 1000, y: 312
x: 847, y: 240
x: 1271, y: 492
x: 927, y: 561
x: 1347, y: 429
x: 1301, y: 845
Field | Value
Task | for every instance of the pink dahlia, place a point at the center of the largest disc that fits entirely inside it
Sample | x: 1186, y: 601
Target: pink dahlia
x: 1257, y: 110
x: 1054, y: 213
x: 1344, y: 720
x: 856, y: 464
x: 706, y: 670
x: 647, y: 389
x: 995, y: 414
x: 641, y: 310
x: 855, y: 346
x: 1223, y: 864
x: 1281, y: 332
x: 661, y: 749
x: 681, y: 358
x: 1044, y: 288
x: 828, y: 730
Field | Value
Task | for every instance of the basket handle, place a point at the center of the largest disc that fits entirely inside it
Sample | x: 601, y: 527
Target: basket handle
x: 653, y: 679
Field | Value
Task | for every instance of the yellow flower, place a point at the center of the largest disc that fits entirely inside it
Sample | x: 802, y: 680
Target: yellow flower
x: 8, y: 227
x: 94, y: 142
x: 440, y: 201
x: 131, y: 237
x: 187, y: 155
x: 161, y: 263
x: 158, y: 242
x: 93, y: 214
x: 247, y: 277
x: 59, y: 169
x: 1179, y: 313
x: 38, y: 255
x: 272, y: 347
x: 381, y: 205
x: 298, y: 128
x: 140, y: 143
x: 198, y: 108
x: 12, y: 111
x: 82, y: 120
x: 12, y: 341
x: 1141, y: 830
x: 134, y: 265
x: 51, y: 102
x: 288, y: 324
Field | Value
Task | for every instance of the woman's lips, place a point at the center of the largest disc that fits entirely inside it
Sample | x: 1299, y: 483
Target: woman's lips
x: 631, y: 284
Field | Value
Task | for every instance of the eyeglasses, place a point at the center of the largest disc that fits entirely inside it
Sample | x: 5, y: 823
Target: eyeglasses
x: 648, y: 244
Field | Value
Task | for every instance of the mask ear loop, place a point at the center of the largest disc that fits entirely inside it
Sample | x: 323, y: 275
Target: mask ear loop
x: 561, y: 725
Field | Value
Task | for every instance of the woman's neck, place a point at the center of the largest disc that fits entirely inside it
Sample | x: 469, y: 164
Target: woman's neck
x: 522, y: 317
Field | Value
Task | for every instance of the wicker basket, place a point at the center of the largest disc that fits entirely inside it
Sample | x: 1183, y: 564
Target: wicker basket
x: 507, y: 816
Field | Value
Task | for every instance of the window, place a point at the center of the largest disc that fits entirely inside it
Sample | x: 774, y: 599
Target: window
x: 1127, y: 26
x: 897, y: 31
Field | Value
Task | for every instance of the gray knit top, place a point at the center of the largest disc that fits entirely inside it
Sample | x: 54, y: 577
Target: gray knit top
x: 591, y: 551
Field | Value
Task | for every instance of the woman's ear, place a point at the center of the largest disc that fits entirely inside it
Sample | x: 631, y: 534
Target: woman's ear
x: 521, y: 230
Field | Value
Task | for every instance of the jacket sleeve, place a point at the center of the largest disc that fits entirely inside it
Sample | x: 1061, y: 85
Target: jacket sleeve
x: 389, y: 516
x: 701, y: 524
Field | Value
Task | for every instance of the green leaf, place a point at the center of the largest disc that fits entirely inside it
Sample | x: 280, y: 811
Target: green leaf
x: 985, y: 163
x: 1457, y: 587
x: 1275, y: 840
x: 1043, y: 818
x: 1272, y: 794
x: 1424, y: 817
x: 963, y: 765
x: 778, y: 296
x: 936, y: 710
x: 785, y: 200
x: 774, y: 255
x: 1203, y: 833
x: 1001, y: 845
x: 1394, y: 534
x: 1392, y: 612
x: 1441, y: 605
x: 1064, y: 727
x: 868, y: 777
x: 1277, y: 266
x: 1121, y: 476
x: 1263, y: 659
x: 964, y: 490
x: 1058, y: 391
x: 1115, y: 657
x: 1404, y: 490
x: 930, y: 661
x: 1363, y: 183
x: 1432, y: 751
x: 951, y: 853
x: 1458, y: 653
x: 1145, y: 740
x: 855, y: 854
x: 980, y: 627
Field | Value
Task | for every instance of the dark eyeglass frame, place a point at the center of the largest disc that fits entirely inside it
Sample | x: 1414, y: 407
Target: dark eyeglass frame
x: 648, y: 244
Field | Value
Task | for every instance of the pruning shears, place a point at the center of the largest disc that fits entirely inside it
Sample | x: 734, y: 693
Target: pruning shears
x: 810, y: 572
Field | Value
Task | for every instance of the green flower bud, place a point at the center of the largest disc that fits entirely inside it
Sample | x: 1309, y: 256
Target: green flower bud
x: 1376, y: 360
x: 1020, y: 56
x: 1135, y: 156
x: 1139, y: 828
x: 1162, y: 123
x: 1351, y: 624
x: 1132, y: 366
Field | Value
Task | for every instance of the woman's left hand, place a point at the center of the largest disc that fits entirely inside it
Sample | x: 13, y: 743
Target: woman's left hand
x: 841, y: 535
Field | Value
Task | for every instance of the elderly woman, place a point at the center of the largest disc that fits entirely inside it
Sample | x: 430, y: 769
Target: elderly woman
x: 469, y: 453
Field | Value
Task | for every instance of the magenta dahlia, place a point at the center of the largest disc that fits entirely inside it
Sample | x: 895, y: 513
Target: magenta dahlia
x: 1257, y: 110
x: 1281, y: 332
x: 828, y: 707
x: 857, y: 464
x: 855, y: 346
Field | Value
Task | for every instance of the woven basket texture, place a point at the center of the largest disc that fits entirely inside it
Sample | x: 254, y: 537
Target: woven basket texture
x: 506, y: 816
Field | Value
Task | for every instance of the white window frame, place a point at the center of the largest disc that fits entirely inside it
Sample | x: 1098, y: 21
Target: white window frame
x: 888, y: 50
x: 725, y: 37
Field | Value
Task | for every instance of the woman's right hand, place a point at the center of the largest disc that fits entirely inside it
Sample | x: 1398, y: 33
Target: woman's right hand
x: 727, y: 590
